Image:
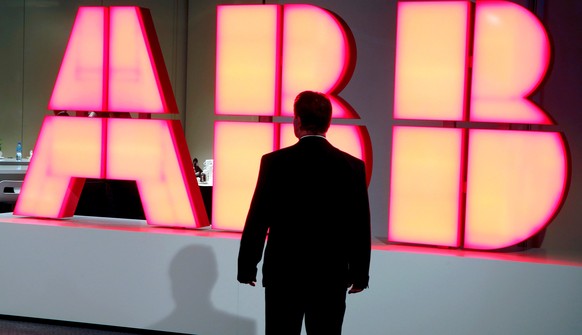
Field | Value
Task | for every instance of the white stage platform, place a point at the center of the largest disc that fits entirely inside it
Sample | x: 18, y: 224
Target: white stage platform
x: 123, y: 273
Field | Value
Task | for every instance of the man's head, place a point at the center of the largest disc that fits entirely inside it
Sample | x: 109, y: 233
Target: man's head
x: 312, y: 114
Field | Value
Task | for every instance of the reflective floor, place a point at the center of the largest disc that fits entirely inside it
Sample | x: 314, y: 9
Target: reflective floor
x: 25, y: 326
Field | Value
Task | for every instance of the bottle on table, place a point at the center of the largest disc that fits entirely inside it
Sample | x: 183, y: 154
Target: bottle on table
x: 19, y: 151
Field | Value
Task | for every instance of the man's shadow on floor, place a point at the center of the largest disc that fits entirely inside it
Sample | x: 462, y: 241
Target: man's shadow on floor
x: 194, y: 273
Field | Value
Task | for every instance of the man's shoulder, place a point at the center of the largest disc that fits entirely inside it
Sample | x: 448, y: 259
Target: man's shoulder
x: 279, y: 156
x: 299, y: 148
x: 279, y: 153
x: 353, y: 160
x: 349, y: 156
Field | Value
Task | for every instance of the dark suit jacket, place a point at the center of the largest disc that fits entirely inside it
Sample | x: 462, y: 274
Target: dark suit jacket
x: 312, y: 199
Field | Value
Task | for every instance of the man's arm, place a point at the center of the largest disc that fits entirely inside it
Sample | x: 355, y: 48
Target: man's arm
x: 255, y: 230
x: 361, y: 244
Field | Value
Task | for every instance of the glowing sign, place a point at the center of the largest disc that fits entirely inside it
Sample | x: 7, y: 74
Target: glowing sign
x: 282, y: 50
x: 471, y: 181
x: 454, y: 186
x: 113, y: 62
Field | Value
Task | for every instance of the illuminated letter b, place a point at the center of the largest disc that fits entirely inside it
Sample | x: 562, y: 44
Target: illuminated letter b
x: 489, y: 182
x: 266, y: 55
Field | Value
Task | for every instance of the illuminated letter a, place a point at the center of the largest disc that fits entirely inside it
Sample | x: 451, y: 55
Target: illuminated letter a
x: 113, y: 62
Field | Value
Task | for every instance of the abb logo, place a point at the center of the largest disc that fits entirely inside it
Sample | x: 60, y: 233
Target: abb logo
x: 472, y: 181
x: 113, y: 62
x: 474, y: 162
x: 265, y: 56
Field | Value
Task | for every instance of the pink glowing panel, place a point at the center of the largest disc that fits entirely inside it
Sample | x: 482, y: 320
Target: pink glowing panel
x: 132, y: 81
x: 431, y: 60
x: 145, y: 151
x: 67, y: 151
x: 238, y: 147
x: 317, y: 54
x: 510, y: 76
x: 247, y: 59
x: 516, y: 182
x: 425, y: 186
x: 352, y: 139
x: 340, y: 108
x: 79, y: 85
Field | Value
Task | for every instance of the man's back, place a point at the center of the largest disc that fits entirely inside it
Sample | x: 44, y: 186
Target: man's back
x: 313, y: 198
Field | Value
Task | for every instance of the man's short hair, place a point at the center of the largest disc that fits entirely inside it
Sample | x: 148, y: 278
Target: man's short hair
x: 314, y: 111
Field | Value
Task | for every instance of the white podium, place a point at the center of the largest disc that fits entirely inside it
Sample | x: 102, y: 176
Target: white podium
x: 123, y: 273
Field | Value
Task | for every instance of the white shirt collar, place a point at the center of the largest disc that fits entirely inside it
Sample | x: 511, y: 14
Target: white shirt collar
x: 304, y: 136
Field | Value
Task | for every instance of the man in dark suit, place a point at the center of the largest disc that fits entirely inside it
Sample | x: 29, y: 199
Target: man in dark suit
x: 312, y: 200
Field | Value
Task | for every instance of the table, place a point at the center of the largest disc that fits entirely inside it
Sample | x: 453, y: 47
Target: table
x: 13, y: 171
x: 13, y: 161
x: 11, y: 177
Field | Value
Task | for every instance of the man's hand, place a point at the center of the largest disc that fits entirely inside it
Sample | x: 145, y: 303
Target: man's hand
x: 246, y: 279
x: 354, y: 289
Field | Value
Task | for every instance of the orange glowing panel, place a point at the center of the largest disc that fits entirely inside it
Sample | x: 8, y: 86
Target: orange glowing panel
x: 502, y: 80
x: 431, y: 60
x: 68, y: 150
x: 238, y: 147
x: 516, y: 182
x: 318, y: 55
x: 79, y: 85
x: 425, y: 186
x: 146, y: 151
x: 247, y: 60
x: 288, y: 137
x: 113, y: 62
x: 133, y: 84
